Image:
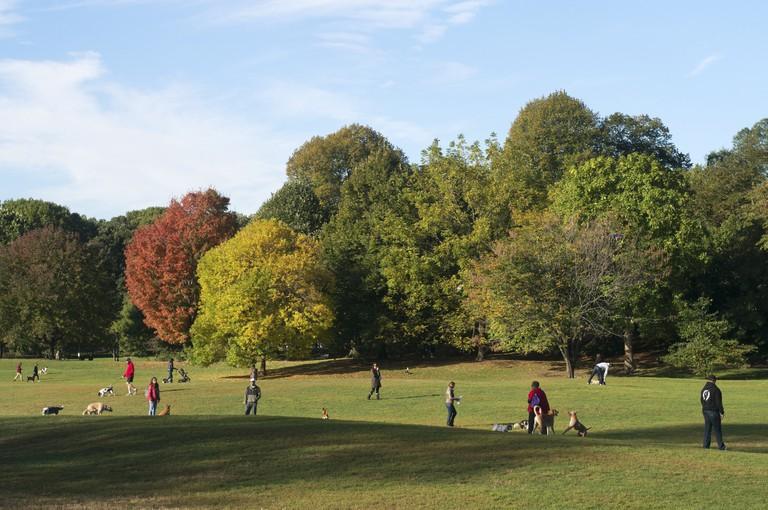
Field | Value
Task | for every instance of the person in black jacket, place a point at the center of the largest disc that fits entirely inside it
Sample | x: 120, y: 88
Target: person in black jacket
x: 375, y: 382
x: 712, y: 408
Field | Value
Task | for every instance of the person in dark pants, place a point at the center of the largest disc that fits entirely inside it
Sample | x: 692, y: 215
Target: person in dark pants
x: 712, y: 409
x: 598, y: 371
x: 252, y: 396
x: 536, y: 397
x: 375, y: 382
x: 450, y: 400
x: 35, y: 373
x: 170, y: 370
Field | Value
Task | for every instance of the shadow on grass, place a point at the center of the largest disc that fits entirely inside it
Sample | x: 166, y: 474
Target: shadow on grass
x: 740, y: 433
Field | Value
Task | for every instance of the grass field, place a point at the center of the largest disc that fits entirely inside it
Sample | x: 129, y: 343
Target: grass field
x: 642, y: 452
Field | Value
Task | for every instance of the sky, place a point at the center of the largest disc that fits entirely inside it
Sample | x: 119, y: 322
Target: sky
x: 113, y: 105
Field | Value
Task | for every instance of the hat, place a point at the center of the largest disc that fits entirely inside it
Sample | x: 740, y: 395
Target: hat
x: 711, y: 378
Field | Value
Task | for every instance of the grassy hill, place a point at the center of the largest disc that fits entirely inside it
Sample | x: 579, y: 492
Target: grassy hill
x: 643, y: 451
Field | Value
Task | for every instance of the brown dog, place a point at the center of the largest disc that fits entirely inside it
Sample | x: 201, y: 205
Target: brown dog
x: 545, y: 422
x: 325, y: 414
x: 575, y: 424
x: 166, y: 411
x: 97, y: 408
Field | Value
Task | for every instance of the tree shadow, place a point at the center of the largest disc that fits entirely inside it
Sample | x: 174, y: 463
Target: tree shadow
x: 739, y: 433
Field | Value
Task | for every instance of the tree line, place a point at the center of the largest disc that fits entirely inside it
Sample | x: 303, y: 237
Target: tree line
x: 576, y: 234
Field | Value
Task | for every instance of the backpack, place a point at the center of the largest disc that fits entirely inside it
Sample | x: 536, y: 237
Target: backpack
x: 535, y: 400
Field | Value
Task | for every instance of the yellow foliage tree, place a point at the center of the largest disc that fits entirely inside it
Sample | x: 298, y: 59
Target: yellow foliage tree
x: 262, y: 293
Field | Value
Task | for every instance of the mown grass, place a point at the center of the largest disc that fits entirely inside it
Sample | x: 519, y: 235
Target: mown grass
x: 643, y: 451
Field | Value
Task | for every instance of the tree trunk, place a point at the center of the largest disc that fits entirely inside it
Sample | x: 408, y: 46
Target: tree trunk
x: 630, y: 335
x: 263, y: 365
x: 482, y: 348
x: 2, y: 350
x: 569, y: 355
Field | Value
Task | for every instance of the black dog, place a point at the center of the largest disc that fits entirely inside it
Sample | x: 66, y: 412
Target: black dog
x: 52, y: 410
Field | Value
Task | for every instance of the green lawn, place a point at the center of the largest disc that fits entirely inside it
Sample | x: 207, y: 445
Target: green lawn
x: 642, y: 452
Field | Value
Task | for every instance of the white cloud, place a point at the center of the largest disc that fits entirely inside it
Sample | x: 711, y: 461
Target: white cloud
x: 351, y: 41
x: 8, y: 16
x: 306, y: 101
x: 704, y: 64
x: 119, y: 148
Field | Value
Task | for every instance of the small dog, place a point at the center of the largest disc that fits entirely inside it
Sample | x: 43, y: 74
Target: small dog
x: 325, y: 416
x: 52, y: 410
x: 166, y: 411
x: 30, y: 378
x: 107, y: 391
x: 408, y: 371
x: 545, y: 422
x: 520, y: 425
x: 575, y: 424
x: 97, y: 408
x: 44, y: 370
x: 501, y: 427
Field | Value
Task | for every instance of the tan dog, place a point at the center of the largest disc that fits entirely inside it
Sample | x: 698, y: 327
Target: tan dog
x: 575, y: 424
x: 545, y: 422
x: 97, y: 408
x: 325, y: 414
x: 166, y: 411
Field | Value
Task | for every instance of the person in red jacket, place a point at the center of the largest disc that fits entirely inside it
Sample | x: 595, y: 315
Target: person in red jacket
x: 129, y: 373
x: 536, y: 397
x: 153, y: 396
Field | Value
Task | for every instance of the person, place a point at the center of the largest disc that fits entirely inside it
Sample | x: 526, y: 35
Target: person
x: 18, y: 372
x: 35, y: 373
x: 170, y: 370
x: 375, y: 382
x: 252, y: 396
x: 450, y: 402
x: 598, y: 371
x: 153, y: 396
x: 129, y: 373
x: 536, y: 397
x: 712, y: 409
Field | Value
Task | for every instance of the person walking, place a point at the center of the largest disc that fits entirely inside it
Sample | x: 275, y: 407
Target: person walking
x: 375, y: 382
x: 35, y: 373
x: 598, y: 370
x: 153, y: 396
x: 252, y: 396
x: 170, y: 370
x: 18, y: 375
x: 713, y: 411
x: 450, y: 403
x: 130, y: 372
x: 536, y: 397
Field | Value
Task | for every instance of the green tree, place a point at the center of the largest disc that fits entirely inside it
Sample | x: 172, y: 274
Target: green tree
x: 51, y: 294
x: 704, y: 346
x: 651, y: 204
x: 263, y: 293
x: 326, y: 162
x: 352, y: 243
x: 621, y: 135
x: 548, y: 135
x: 296, y: 205
x: 551, y: 284
x: 17, y: 217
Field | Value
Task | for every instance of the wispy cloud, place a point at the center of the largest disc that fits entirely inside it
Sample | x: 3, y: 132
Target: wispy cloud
x: 350, y: 41
x: 704, y: 64
x: 118, y: 148
x: 8, y: 16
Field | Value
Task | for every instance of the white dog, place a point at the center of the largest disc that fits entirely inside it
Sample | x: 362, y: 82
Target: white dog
x: 107, y: 391
x: 44, y: 370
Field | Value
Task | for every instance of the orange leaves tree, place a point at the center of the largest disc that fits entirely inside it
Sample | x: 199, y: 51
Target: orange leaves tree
x: 161, y: 260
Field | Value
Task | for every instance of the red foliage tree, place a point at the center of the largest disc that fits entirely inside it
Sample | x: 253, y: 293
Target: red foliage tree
x: 161, y: 260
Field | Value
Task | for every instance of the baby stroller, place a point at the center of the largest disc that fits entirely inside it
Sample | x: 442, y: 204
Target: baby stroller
x: 183, y: 376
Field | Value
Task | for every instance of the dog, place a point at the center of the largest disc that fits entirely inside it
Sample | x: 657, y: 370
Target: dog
x: 107, y: 391
x: 325, y: 416
x: 576, y: 425
x: 166, y: 411
x: 545, y: 422
x: 520, y: 425
x: 30, y: 378
x: 44, y: 370
x: 501, y: 427
x: 97, y: 408
x: 52, y: 410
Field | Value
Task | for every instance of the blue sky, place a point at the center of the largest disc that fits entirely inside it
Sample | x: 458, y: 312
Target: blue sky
x: 112, y: 105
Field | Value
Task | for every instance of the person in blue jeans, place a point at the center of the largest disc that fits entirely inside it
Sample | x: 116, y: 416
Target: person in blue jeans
x: 713, y: 411
x: 450, y: 400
